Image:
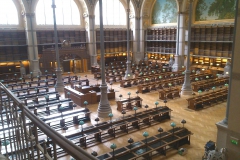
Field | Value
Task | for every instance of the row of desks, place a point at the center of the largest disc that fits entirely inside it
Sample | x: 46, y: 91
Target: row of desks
x: 208, y: 84
x: 151, y: 146
x: 208, y: 99
x: 102, y: 131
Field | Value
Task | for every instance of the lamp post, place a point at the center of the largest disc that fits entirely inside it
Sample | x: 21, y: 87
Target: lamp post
x: 135, y: 109
x: 68, y: 94
x: 170, y: 85
x: 130, y: 141
x: 156, y: 103
x: 187, y: 87
x: 81, y: 123
x: 137, y: 92
x: 110, y: 115
x: 207, y: 77
x: 85, y: 103
x: 59, y: 84
x: 97, y: 119
x: 146, y: 106
x: 173, y: 125
x: 165, y: 101
x: 113, y: 146
x: 160, y: 130
x: 183, y: 122
x: 213, y: 88
x: 145, y: 134
x: 120, y: 96
x: 123, y: 112
x: 128, y: 74
x: 129, y: 93
x: 226, y: 85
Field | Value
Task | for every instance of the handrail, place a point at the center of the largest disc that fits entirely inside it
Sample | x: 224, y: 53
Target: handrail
x: 68, y: 146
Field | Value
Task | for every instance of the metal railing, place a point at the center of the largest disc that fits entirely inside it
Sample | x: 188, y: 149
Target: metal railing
x: 19, y: 138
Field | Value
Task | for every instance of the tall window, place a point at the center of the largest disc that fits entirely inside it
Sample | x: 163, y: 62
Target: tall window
x: 8, y: 13
x: 113, y: 13
x: 67, y: 12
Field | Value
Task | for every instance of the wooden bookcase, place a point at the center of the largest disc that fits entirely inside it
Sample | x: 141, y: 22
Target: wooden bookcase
x: 160, y: 43
x: 13, y: 46
x: 76, y: 51
x: 212, y: 41
x: 115, y: 44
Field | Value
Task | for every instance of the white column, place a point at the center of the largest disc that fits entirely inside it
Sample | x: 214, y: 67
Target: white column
x: 92, y: 41
x: 141, y: 39
x: 32, y: 43
x: 136, y: 42
x: 187, y: 87
x: 179, y: 56
x: 229, y: 128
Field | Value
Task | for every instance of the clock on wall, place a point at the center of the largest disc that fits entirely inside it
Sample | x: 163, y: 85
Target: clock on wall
x: 66, y: 43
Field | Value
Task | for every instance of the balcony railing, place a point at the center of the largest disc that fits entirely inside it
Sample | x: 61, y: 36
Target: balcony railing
x: 19, y: 138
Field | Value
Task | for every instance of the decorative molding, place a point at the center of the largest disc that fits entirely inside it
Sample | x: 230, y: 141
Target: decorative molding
x: 235, y: 76
x: 137, y: 3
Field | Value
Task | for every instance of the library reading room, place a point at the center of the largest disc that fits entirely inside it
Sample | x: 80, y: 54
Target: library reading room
x: 119, y: 80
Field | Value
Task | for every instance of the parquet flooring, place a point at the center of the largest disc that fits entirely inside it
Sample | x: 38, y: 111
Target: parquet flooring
x: 201, y: 123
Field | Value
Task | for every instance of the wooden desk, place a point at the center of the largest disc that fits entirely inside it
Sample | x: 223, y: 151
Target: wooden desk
x: 86, y: 89
x: 127, y: 104
x: 169, y: 93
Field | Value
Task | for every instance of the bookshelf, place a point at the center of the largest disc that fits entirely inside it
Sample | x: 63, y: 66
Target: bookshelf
x: 160, y: 43
x: 76, y: 51
x: 211, y: 45
x: 13, y: 46
x: 115, y: 44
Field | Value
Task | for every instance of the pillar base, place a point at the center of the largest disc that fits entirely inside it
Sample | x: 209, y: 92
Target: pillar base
x: 35, y: 68
x: 128, y: 74
x: 104, y: 107
x: 94, y: 60
x: 177, y: 66
x: 187, y: 87
x: 59, y: 87
x: 186, y: 92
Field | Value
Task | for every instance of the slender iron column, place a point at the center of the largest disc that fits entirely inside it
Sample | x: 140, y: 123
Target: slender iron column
x: 104, y: 107
x: 59, y: 84
x: 128, y: 73
x: 187, y: 88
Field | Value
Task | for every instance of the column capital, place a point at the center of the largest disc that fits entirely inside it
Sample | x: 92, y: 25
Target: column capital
x: 137, y: 18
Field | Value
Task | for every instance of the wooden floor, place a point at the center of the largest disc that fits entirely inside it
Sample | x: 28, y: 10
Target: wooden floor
x: 201, y: 123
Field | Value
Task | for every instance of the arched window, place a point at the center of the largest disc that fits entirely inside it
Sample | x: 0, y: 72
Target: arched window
x: 67, y: 12
x: 113, y: 13
x: 8, y: 13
